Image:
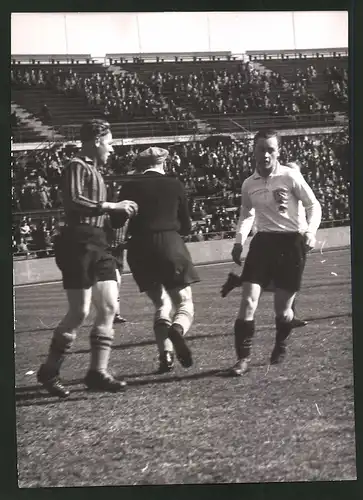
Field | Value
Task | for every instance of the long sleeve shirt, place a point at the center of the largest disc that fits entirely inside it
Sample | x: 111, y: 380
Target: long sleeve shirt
x: 281, y: 202
x: 83, y: 191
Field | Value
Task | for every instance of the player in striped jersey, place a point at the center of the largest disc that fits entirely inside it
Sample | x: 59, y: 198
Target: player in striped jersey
x: 277, y: 253
x: 88, y: 269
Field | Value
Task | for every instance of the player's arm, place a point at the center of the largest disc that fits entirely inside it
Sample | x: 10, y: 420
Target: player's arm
x: 305, y: 194
x: 244, y: 225
x: 183, y: 213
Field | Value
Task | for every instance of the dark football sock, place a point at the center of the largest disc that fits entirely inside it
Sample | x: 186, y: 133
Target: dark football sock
x: 243, y: 334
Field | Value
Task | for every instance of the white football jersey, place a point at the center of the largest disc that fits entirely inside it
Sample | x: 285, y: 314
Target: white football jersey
x: 281, y: 202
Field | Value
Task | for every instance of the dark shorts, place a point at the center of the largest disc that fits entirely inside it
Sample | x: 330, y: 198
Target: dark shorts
x: 81, y: 255
x: 118, y: 254
x: 160, y: 258
x: 276, y: 259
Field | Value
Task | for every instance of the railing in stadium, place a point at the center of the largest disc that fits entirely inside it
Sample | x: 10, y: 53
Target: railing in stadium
x: 211, y: 123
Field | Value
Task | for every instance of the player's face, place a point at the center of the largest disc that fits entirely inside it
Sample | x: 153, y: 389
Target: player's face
x: 266, y: 154
x: 104, y: 148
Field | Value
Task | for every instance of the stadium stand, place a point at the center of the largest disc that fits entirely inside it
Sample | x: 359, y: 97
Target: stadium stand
x: 199, y: 94
x: 185, y: 96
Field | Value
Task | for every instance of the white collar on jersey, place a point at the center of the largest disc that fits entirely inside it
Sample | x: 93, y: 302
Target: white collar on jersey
x: 276, y: 171
x: 152, y: 169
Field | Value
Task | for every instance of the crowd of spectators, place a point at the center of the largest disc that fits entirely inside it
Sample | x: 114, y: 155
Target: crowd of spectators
x: 38, y: 237
x: 338, y: 86
x: 165, y: 96
x: 211, y: 172
x: 248, y: 90
x: 121, y: 97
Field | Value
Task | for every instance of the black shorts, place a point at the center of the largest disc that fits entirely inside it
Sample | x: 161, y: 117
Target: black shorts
x: 118, y: 254
x: 160, y: 258
x: 81, y: 255
x: 276, y: 259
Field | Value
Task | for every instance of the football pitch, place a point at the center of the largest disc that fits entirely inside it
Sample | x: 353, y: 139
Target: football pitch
x: 291, y: 422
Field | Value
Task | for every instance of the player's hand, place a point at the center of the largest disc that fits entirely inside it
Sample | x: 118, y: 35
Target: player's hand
x: 310, y: 241
x: 127, y: 206
x: 236, y: 253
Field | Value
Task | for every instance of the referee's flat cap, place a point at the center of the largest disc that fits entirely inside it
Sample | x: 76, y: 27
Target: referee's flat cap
x: 154, y: 155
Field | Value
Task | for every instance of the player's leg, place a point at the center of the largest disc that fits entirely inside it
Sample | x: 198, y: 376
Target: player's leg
x: 118, y: 318
x: 182, y: 299
x: 244, y: 327
x: 288, y: 275
x: 101, y: 337
x: 255, y: 276
x: 162, y: 321
x: 283, y: 301
x: 79, y: 304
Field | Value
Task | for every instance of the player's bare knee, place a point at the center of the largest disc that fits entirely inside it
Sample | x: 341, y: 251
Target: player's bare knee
x: 248, y: 305
x: 109, y: 307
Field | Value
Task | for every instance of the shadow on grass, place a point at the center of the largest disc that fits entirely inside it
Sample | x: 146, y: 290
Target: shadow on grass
x: 26, y: 394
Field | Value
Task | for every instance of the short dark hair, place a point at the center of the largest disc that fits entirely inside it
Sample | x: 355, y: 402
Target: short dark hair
x: 267, y: 134
x: 93, y: 129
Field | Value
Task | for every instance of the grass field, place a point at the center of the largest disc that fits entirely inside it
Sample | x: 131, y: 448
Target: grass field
x: 293, y: 422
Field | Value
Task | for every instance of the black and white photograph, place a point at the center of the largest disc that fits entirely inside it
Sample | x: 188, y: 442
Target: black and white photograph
x: 181, y: 242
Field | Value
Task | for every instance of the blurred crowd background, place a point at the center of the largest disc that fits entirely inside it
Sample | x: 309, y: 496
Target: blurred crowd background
x: 212, y: 172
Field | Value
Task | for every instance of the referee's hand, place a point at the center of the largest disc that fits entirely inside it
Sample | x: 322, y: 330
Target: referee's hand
x: 127, y: 206
x: 236, y: 253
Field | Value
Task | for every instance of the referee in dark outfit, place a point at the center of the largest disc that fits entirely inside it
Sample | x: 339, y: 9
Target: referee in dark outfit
x: 88, y: 269
x: 157, y: 255
x: 274, y: 198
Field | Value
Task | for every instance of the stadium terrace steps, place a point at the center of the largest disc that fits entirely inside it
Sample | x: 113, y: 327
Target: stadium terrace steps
x: 31, y: 128
x: 287, y: 68
x: 144, y: 71
x: 207, y: 123
x: 65, y: 110
x: 285, y: 95
x: 70, y: 111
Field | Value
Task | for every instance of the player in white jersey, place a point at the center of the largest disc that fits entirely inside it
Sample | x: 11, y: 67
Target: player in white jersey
x: 234, y: 281
x: 271, y: 198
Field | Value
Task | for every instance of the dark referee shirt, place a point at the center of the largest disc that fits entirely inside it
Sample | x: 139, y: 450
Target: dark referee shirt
x: 83, y: 189
x: 162, y: 204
